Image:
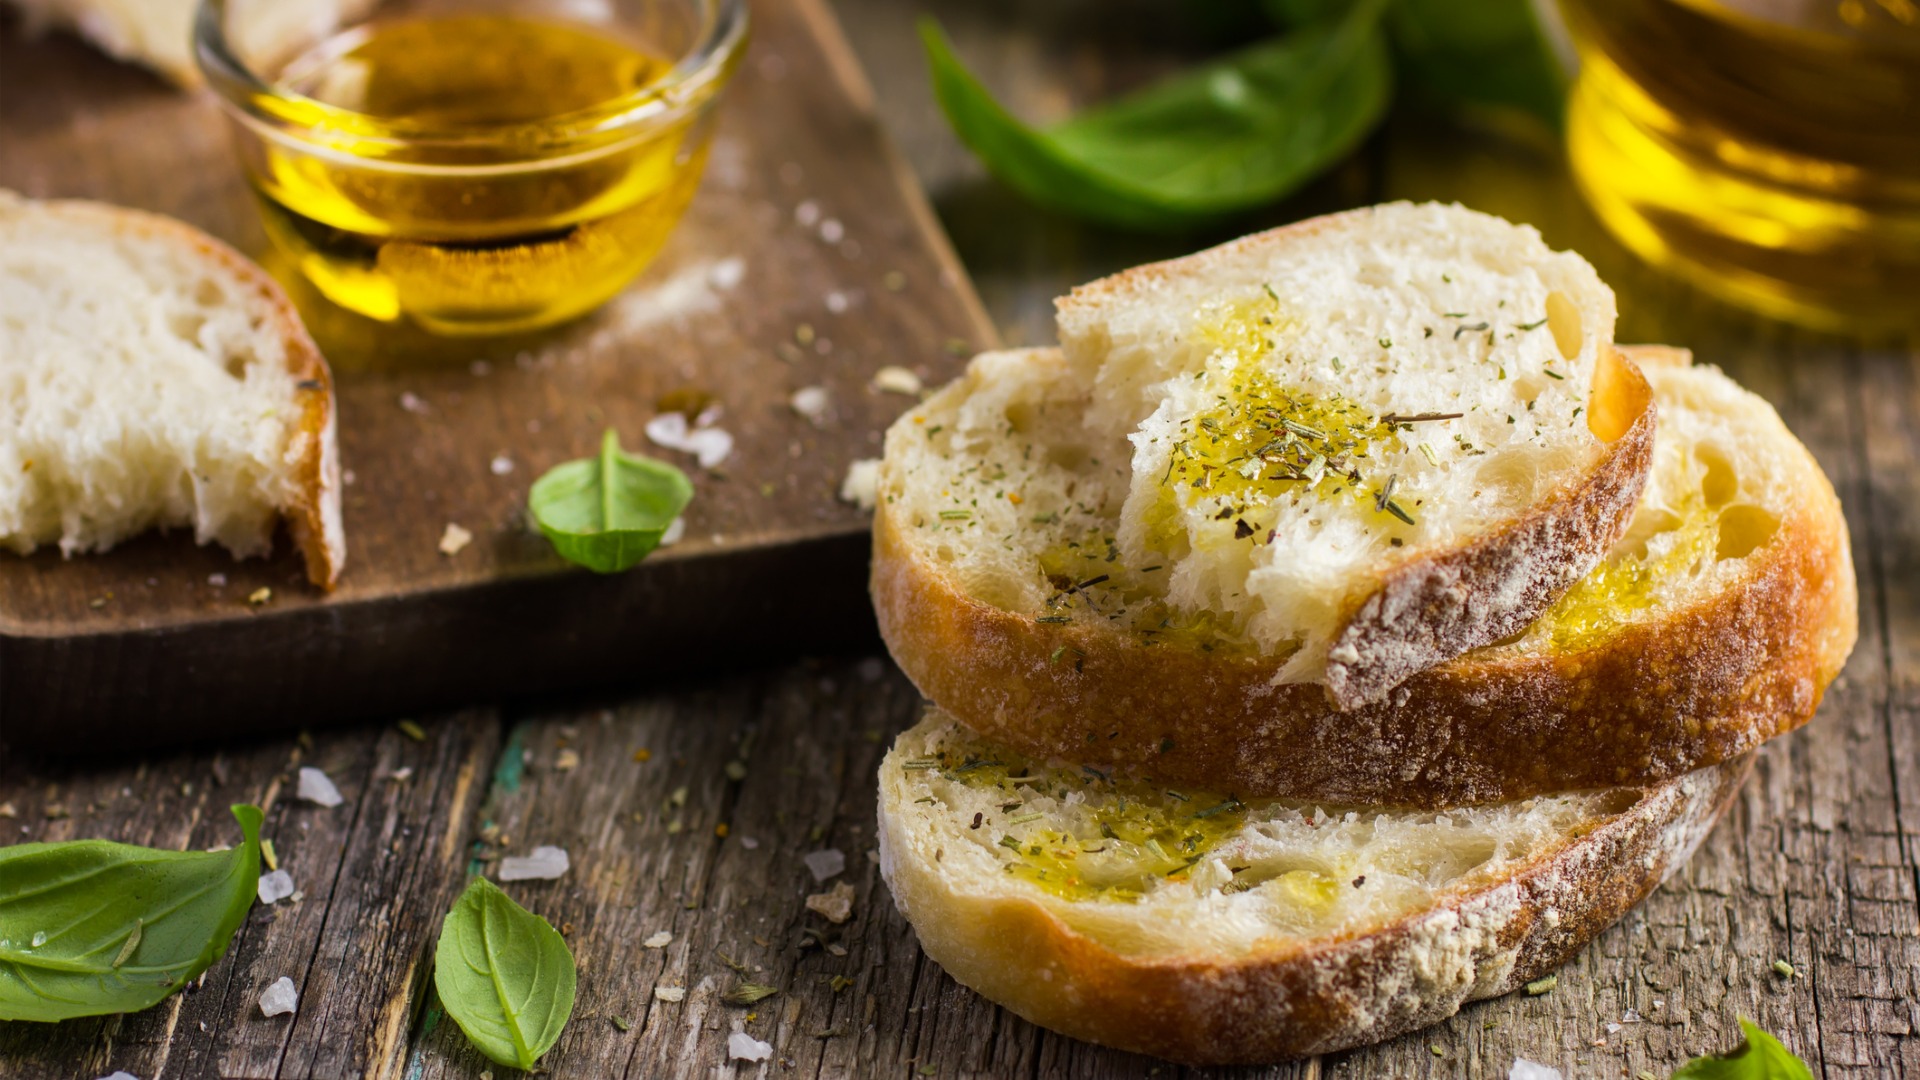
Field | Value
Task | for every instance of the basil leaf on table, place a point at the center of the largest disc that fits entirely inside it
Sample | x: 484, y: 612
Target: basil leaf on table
x: 1231, y: 135
x: 608, y: 512
x: 504, y: 974
x: 91, y: 927
x: 1761, y: 1058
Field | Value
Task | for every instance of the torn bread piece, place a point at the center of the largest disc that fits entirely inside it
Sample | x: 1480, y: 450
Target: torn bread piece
x: 1714, y: 624
x: 152, y: 377
x: 159, y: 33
x: 1211, y: 930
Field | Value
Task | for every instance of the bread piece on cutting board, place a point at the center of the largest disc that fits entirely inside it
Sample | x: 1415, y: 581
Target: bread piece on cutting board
x: 152, y: 377
x: 1211, y: 931
x: 159, y: 33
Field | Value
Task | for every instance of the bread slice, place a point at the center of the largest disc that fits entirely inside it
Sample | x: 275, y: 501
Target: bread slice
x: 1713, y: 626
x: 1367, y: 442
x: 159, y: 33
x: 1277, y: 930
x: 150, y: 376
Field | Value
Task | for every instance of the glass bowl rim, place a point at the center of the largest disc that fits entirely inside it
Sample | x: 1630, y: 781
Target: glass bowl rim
x: 697, y: 75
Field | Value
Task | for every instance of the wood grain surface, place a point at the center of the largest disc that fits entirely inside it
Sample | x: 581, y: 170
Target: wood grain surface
x: 1818, y: 863
x: 754, y: 299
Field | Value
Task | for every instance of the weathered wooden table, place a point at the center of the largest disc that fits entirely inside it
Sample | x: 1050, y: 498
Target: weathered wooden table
x: 687, y: 808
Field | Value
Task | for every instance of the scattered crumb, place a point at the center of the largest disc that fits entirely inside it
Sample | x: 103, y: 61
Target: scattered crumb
x: 501, y: 465
x: 825, y: 863
x: 709, y: 445
x: 813, y: 404
x: 316, y: 787
x: 1531, y: 1070
x: 728, y: 272
x: 862, y: 485
x: 894, y: 379
x: 218, y: 581
x: 275, y: 887
x: 545, y: 864
x: 280, y: 999
x: 401, y: 774
x: 659, y: 940
x: 260, y: 596
x: 413, y: 402
x: 454, y: 540
x: 836, y: 906
x: 670, y: 993
x: 744, y: 1047
x: 749, y: 843
x: 7, y: 810
x: 566, y: 759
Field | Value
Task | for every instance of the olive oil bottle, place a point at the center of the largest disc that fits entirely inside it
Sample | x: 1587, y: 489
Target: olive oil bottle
x: 1768, y: 149
x: 477, y: 173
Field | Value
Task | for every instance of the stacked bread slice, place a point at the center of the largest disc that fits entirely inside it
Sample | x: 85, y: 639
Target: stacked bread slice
x: 1337, y: 628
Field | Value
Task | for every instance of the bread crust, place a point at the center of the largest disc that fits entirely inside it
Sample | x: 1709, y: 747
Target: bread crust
x: 1653, y: 700
x: 313, y: 517
x: 1429, y: 607
x: 1480, y: 940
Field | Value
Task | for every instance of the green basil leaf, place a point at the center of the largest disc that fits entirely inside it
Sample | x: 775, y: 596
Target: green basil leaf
x: 608, y: 512
x: 1231, y: 135
x: 1762, y: 1057
x: 91, y: 927
x: 1491, y: 54
x: 504, y: 974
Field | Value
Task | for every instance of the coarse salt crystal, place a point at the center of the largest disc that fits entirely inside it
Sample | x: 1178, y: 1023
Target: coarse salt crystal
x: 403, y: 773
x: 710, y: 445
x: 832, y: 231
x: 749, y: 843
x: 825, y: 863
x: 837, y: 302
x: 501, y: 465
x: 807, y: 214
x: 1631, y: 1016
x: 812, y: 403
x: 673, y: 532
x: 1613, y: 1029
x: 670, y: 993
x: 280, y: 998
x: 894, y: 379
x: 218, y: 581
x: 1531, y: 1070
x: 121, y: 1075
x: 275, y: 887
x: 744, y: 1047
x: 454, y: 540
x: 316, y: 787
x: 660, y: 940
x: 413, y: 402
x: 545, y: 864
x: 862, y: 485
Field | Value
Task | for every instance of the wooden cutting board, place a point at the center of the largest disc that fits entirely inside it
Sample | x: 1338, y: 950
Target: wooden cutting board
x: 809, y: 258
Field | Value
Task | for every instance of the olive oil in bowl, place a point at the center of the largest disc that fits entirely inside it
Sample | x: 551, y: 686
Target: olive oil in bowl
x: 477, y: 173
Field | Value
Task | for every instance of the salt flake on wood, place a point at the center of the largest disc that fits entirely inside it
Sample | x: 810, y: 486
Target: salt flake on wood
x: 280, y: 998
x: 275, y: 887
x: 545, y: 864
x: 316, y: 787
x: 744, y: 1047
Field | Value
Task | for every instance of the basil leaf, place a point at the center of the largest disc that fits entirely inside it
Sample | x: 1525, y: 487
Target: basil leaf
x: 1761, y: 1058
x: 91, y: 927
x: 504, y: 974
x: 1492, y: 54
x: 606, y: 513
x: 1231, y: 135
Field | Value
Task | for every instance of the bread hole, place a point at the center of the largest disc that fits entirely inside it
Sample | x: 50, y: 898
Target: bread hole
x: 1528, y: 388
x: 1023, y: 416
x: 1563, y: 318
x: 1720, y: 484
x: 239, y: 360
x: 186, y: 325
x: 1067, y: 456
x: 208, y: 293
x: 1744, y: 529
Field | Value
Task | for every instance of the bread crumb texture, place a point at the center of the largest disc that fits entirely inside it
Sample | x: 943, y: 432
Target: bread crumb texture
x: 142, y: 384
x: 1243, y: 445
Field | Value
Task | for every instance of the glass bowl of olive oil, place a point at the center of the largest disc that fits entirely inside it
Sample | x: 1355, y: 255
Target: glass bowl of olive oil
x: 476, y: 167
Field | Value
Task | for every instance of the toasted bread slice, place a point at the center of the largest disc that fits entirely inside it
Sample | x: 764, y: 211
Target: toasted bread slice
x: 1369, y: 442
x: 159, y: 33
x: 1713, y: 626
x: 150, y: 376
x: 1199, y: 928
